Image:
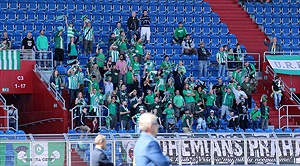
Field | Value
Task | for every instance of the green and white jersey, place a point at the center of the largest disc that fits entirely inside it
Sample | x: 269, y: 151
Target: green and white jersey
x: 80, y: 77
x: 149, y: 65
x: 59, y: 41
x: 70, y: 32
x: 221, y: 57
x: 114, y: 55
x: 137, y: 117
x: 73, y: 81
x: 88, y: 33
x: 94, y: 100
x: 117, y: 31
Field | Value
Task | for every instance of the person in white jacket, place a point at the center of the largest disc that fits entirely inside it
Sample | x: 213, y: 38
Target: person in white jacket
x: 188, y: 46
x: 238, y: 93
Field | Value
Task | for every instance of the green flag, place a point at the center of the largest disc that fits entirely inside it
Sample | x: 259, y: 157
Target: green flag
x: 285, y: 64
x: 59, y: 17
x: 9, y: 60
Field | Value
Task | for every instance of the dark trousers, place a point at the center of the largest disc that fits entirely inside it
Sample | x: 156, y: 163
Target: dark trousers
x: 249, y: 101
x: 113, y: 122
x: 73, y: 95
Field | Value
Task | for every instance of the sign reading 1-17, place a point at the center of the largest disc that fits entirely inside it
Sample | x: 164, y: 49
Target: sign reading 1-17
x: 20, y: 86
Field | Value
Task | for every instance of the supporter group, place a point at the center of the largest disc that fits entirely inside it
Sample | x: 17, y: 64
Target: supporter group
x: 129, y: 83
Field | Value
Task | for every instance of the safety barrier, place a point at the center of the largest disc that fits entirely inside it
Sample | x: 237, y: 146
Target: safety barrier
x: 288, y: 115
x: 182, y: 149
x: 3, y: 100
x: 10, y: 118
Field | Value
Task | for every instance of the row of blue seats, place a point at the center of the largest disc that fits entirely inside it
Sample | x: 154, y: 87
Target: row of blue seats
x: 11, y: 135
x: 267, y: 8
x: 282, y: 20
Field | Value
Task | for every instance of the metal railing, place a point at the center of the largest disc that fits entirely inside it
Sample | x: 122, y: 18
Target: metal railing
x: 45, y: 78
x: 181, y: 149
x: 8, y: 118
x: 267, y: 53
x: 3, y: 100
x: 26, y: 54
x: 286, y: 88
x: 254, y: 55
x: 287, y: 116
x: 99, y: 114
x: 41, y: 121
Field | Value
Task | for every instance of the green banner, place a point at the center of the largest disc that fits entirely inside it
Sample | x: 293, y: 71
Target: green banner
x: 285, y: 64
x: 56, y: 153
x: 22, y: 154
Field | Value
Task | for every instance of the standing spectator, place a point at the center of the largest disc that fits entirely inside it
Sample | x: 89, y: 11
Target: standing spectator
x: 243, y: 114
x: 94, y: 101
x: 133, y: 25
x: 277, y: 91
x: 136, y: 118
x: 219, y: 88
x: 28, y: 44
x: 72, y: 50
x: 12, y: 113
x: 145, y: 26
x: 212, y: 121
x: 170, y: 118
x: 188, y: 45
x: 211, y: 101
x: 70, y: 30
x: 248, y: 88
x: 122, y: 67
x: 179, y: 33
x: 203, y: 58
x: 157, y: 105
x: 79, y: 102
x: 73, y: 85
x: 100, y: 60
x: 122, y: 43
x: 199, y: 115
x: 189, y: 98
x: 239, y: 94
x: 239, y: 55
x: 112, y: 107
x: 115, y: 79
x: 125, y: 116
x: 98, y: 156
x: 149, y: 99
x: 232, y: 120
x: 113, y: 52
x: 166, y: 66
x: 7, y: 39
x: 154, y: 112
x: 3, y: 45
x: 136, y: 67
x: 231, y: 58
x: 88, y: 36
x: 112, y: 38
x: 227, y: 102
x: 249, y: 70
x: 179, y: 104
x: 117, y: 31
x: 139, y: 49
x: 42, y: 46
x: 59, y: 47
x: 265, y: 111
x: 187, y: 121
x: 56, y: 81
x: 255, y: 116
x: 237, y: 76
x: 108, y: 85
x: 221, y: 59
x: 273, y: 47
x: 83, y: 126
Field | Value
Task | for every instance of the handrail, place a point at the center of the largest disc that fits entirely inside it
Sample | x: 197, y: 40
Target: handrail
x: 3, y: 100
x: 266, y: 53
x: 257, y: 62
x: 44, y: 78
x: 16, y: 118
x: 286, y: 88
x: 287, y: 116
x: 100, y: 115
x: 41, y: 121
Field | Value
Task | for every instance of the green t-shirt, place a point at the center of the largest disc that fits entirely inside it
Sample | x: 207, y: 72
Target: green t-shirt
x: 161, y: 83
x: 158, y: 107
x: 139, y: 48
x: 180, y: 32
x: 150, y: 98
x: 169, y: 113
x: 237, y: 76
x: 100, y: 60
x: 254, y: 114
x: 210, y: 99
x: 188, y: 99
x: 184, y: 121
x: 135, y: 65
x: 210, y: 119
x: 95, y: 85
x: 178, y: 100
x: 199, y: 96
x: 129, y: 77
x: 228, y: 99
x: 112, y: 108
x: 100, y: 97
x: 171, y: 89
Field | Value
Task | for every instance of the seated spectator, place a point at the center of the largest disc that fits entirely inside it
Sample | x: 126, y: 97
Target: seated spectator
x: 222, y: 61
x: 117, y: 31
x: 7, y: 40
x: 232, y: 120
x: 203, y: 58
x: 212, y: 121
x: 187, y: 121
x: 83, y: 126
x: 239, y: 54
x: 136, y: 118
x: 243, y: 114
x: 273, y: 47
x: 277, y: 91
x: 265, y: 111
x: 249, y: 70
x: 188, y: 46
x: 95, y: 124
x: 199, y: 115
x: 179, y: 33
x: 3, y: 45
x: 255, y: 116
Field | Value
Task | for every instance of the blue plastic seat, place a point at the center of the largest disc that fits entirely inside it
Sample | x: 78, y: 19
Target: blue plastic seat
x: 297, y: 130
x: 122, y: 131
x: 61, y: 69
x: 239, y: 130
x: 170, y: 6
x: 79, y: 5
x: 131, y: 131
x: 229, y: 130
x: 278, y: 130
x: 288, y: 130
x: 89, y: 6
x: 10, y: 134
x: 103, y: 131
x: 249, y: 130
x: 294, y: 30
x: 22, y: 4
x: 250, y: 8
x: 206, y: 18
x: 259, y: 19
x: 259, y: 130
x: 210, y: 130
x: 179, y: 7
x: 206, y: 7
x: 268, y: 130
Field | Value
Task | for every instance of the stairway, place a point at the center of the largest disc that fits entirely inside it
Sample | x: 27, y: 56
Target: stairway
x: 76, y: 159
x: 240, y: 24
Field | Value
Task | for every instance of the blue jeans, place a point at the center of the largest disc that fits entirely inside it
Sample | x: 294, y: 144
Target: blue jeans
x: 277, y: 98
x: 255, y: 124
x: 202, y: 66
x: 221, y: 70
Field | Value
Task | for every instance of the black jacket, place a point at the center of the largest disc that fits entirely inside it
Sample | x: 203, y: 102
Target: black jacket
x: 201, y: 55
x: 99, y: 158
x: 178, y: 79
x: 82, y: 119
x: 133, y: 24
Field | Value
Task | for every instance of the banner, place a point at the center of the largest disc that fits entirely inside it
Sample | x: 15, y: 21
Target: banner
x: 226, y: 149
x: 285, y: 64
x: 49, y: 153
x: 9, y: 60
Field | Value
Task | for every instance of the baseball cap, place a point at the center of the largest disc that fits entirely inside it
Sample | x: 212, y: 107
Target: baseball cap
x: 212, y: 111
